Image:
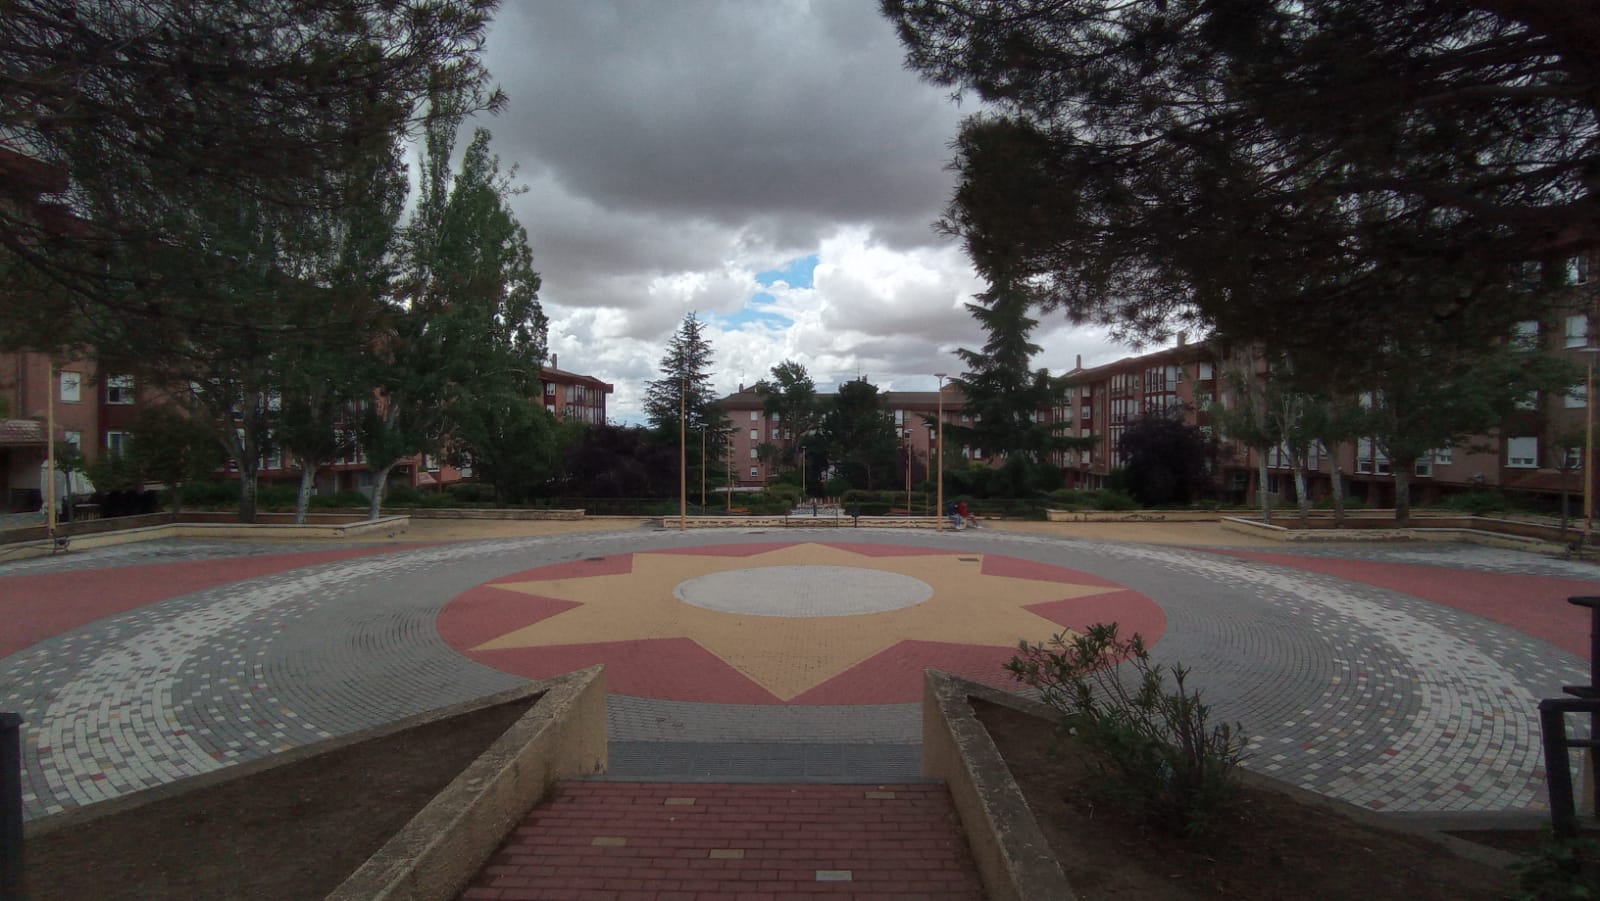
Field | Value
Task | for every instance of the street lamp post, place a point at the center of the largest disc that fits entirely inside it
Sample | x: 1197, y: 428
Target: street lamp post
x: 1588, y: 447
x: 905, y: 442
x: 727, y: 454
x: 938, y: 503
x: 702, y: 469
x: 683, y: 456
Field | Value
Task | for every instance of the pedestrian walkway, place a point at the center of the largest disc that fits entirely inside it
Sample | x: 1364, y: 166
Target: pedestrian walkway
x: 694, y: 842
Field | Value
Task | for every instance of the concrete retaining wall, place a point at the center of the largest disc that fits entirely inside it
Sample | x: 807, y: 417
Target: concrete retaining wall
x: 436, y: 855
x: 1013, y: 856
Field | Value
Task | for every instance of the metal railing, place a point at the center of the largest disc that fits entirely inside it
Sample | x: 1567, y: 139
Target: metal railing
x: 1558, y: 743
x: 10, y: 807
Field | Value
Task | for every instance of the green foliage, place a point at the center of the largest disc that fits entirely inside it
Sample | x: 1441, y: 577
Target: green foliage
x: 277, y: 496
x: 1350, y: 503
x: 837, y: 486
x: 610, y: 461
x: 1155, y: 745
x: 345, y: 500
x: 1002, y: 392
x: 173, y: 448
x: 860, y: 437
x: 1168, y: 460
x: 684, y: 388
x: 113, y: 473
x: 1480, y: 503
x: 210, y: 493
x: 1562, y: 870
x: 791, y: 396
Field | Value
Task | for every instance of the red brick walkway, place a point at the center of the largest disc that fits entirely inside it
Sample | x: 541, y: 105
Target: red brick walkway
x: 623, y: 841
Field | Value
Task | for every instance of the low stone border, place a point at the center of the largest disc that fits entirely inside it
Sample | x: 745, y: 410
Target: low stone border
x: 1014, y: 858
x: 802, y: 522
x: 1132, y: 515
x: 1462, y: 530
x: 385, y: 524
x: 479, y: 513
x: 436, y: 855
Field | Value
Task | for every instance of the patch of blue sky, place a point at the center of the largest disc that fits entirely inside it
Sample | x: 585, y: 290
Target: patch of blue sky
x: 797, y: 273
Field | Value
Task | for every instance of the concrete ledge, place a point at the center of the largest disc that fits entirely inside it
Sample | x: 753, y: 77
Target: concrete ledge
x: 473, y: 513
x: 1454, y: 532
x: 436, y: 855
x: 801, y: 522
x: 25, y: 549
x: 1014, y: 858
x: 956, y: 746
x: 1132, y: 515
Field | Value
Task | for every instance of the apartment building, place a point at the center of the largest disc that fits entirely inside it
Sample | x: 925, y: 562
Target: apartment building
x: 1537, y: 451
x: 911, y: 410
x: 569, y: 395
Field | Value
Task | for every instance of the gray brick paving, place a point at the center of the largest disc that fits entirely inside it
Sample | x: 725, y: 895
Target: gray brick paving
x: 1351, y: 690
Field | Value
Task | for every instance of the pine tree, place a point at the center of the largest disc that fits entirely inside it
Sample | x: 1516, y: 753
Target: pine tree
x: 686, y: 379
x: 1003, y: 393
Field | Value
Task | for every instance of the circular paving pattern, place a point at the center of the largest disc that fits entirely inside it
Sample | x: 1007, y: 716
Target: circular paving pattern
x: 803, y: 591
x: 1396, y: 677
x: 804, y: 623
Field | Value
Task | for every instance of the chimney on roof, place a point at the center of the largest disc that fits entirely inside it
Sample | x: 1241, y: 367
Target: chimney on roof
x: 555, y: 361
x: 1079, y: 364
x: 741, y: 387
x: 1183, y: 338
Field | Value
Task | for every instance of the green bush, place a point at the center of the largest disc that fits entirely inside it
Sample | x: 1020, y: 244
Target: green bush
x: 1107, y: 499
x: 1478, y: 502
x: 1154, y: 747
x: 340, y: 499
x: 402, y: 496
x: 1560, y: 870
x: 276, y: 495
x: 209, y: 493
x: 1350, y: 503
x: 466, y: 493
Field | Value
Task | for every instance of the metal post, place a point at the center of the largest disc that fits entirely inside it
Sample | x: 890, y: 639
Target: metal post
x: 10, y: 807
x: 1588, y: 460
x: 683, y: 456
x: 1557, y: 769
x: 938, y: 502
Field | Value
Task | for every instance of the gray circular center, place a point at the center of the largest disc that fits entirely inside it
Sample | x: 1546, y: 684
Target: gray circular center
x: 803, y: 591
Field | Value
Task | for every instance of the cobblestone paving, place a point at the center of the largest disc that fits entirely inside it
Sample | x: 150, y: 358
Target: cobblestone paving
x: 1353, y: 690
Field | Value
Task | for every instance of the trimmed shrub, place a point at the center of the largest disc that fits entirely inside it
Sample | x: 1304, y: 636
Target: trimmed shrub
x: 1478, y: 502
x: 340, y: 499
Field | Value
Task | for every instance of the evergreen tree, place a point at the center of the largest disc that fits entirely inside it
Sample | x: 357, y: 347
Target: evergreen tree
x: 791, y: 397
x: 1004, y: 395
x: 859, y: 434
x: 686, y: 381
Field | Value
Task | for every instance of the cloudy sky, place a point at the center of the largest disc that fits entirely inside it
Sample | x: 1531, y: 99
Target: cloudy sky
x: 770, y: 165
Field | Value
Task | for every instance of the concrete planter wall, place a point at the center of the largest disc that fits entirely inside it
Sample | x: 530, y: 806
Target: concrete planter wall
x: 1132, y: 515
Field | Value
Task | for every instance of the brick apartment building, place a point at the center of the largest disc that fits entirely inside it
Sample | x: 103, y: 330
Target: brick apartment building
x: 752, y: 427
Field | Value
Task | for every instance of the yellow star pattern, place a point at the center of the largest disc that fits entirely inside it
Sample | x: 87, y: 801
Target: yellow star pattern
x: 790, y: 655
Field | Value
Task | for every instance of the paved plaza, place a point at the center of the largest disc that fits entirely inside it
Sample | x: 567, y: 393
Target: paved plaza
x: 1401, y: 676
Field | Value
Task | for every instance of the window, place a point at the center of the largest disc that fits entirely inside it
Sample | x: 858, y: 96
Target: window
x: 755, y: 434
x: 1577, y: 397
x: 549, y: 408
x: 1087, y: 412
x: 71, y: 386
x: 1578, y: 331
x: 273, y: 458
x: 73, y: 440
x: 1526, y: 333
x: 116, y: 443
x: 1424, y: 467
x: 430, y: 462
x: 1441, y: 457
x: 899, y: 417
x: 1578, y: 269
x: 755, y: 415
x: 1369, y: 459
x: 1522, y: 452
x: 119, y: 389
x: 755, y: 472
x: 1528, y: 401
x: 1204, y: 371
x: 754, y: 454
x: 549, y: 389
x: 1573, y: 459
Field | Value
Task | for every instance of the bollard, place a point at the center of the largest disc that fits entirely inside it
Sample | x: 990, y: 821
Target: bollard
x: 10, y: 807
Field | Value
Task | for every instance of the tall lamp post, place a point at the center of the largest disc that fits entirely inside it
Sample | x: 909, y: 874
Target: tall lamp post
x: 702, y: 469
x: 905, y: 442
x: 938, y: 503
x: 1588, y: 446
x: 683, y: 456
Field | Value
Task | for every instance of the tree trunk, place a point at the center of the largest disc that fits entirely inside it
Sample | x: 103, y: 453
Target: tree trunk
x: 1261, y: 487
x: 1338, y: 496
x: 375, y: 508
x: 1402, y: 497
x: 1302, y: 500
x: 1566, y: 513
x: 247, y: 494
x: 302, y: 501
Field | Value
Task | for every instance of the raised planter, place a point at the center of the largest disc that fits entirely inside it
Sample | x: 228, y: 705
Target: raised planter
x: 1012, y: 853
x: 435, y: 854
x: 1488, y: 531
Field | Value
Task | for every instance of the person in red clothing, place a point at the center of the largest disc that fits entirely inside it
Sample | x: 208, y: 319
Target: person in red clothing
x: 963, y: 516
